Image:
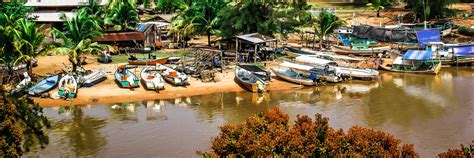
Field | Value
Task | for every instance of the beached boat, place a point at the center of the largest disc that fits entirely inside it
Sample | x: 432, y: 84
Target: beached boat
x: 316, y: 72
x: 173, y: 60
x: 346, y: 72
x: 23, y: 83
x: 360, y: 52
x: 414, y: 61
x: 43, y: 86
x: 172, y: 76
x: 106, y: 58
x: 68, y: 86
x: 468, y: 31
x: 291, y: 76
x: 93, y: 78
x: 144, y: 61
x: 262, y: 74
x: 249, y: 80
x: 126, y: 78
x: 151, y: 78
x: 341, y: 60
x: 293, y: 52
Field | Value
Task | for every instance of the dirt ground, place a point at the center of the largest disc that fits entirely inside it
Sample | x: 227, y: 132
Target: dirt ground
x: 109, y: 92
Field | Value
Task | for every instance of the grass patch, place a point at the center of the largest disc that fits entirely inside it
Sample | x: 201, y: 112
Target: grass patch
x: 123, y: 58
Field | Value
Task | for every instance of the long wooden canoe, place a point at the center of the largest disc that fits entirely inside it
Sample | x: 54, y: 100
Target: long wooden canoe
x: 142, y: 61
x: 291, y: 76
x: 366, y: 52
x: 249, y: 80
x: 434, y: 70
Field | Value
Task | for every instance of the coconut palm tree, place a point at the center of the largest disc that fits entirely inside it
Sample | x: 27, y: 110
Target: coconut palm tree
x: 325, y: 24
x: 32, y: 38
x: 377, y: 5
x: 77, y: 40
x: 123, y: 15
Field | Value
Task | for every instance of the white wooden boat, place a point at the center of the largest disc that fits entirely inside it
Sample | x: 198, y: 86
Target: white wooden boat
x: 23, y: 83
x: 68, y: 86
x: 249, y: 80
x: 291, y: 76
x: 323, y: 73
x: 93, y: 78
x: 172, y: 76
x: 151, y: 78
x: 366, y: 74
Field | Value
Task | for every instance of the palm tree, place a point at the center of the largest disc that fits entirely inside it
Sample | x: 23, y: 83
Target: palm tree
x: 32, y: 38
x: 77, y: 41
x: 325, y: 25
x: 123, y: 16
x: 377, y: 5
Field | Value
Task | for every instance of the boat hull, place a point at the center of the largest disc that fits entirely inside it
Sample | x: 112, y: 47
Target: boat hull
x: 125, y: 83
x: 148, y: 61
x: 348, y: 51
x: 433, y: 71
x: 43, y: 86
x: 293, y: 79
x: 248, y: 85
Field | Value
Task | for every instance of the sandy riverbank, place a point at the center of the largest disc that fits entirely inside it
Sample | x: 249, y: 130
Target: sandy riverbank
x: 109, y: 92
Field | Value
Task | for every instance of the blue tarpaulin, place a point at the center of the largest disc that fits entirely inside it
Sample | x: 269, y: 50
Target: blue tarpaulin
x: 346, y: 40
x: 424, y: 36
x: 464, y: 51
x: 417, y: 55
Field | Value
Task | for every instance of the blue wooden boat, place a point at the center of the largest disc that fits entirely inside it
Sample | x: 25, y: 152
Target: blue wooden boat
x: 125, y: 78
x: 43, y: 86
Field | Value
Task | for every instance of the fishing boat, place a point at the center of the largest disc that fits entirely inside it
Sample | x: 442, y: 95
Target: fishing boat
x: 315, y: 72
x: 341, y: 60
x: 293, y: 52
x: 68, y: 86
x: 249, y: 80
x: 43, y: 86
x: 413, y: 61
x: 346, y: 72
x: 151, y: 78
x: 359, y: 51
x: 126, y: 78
x: 173, y: 60
x: 93, y: 78
x: 291, y: 76
x: 468, y: 31
x: 172, y: 76
x: 451, y: 54
x: 23, y: 83
x: 144, y: 61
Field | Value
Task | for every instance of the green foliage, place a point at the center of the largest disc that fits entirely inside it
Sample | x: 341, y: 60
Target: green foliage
x: 265, y: 17
x: 270, y: 134
x: 199, y: 18
x: 378, y: 5
x: 15, y: 8
x: 123, y: 15
x: 22, y: 124
x: 170, y: 6
x: 325, y: 24
x: 21, y: 40
x: 432, y: 8
x: 77, y: 39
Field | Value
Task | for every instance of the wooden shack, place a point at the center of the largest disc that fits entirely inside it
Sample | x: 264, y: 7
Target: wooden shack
x: 253, y: 46
x: 154, y: 33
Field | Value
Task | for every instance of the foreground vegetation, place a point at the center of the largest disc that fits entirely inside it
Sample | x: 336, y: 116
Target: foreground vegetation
x: 271, y: 134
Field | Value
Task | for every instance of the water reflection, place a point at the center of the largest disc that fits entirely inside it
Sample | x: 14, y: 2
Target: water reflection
x: 432, y: 112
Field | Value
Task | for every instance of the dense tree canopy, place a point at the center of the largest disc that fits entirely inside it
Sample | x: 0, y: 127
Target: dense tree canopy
x: 432, y: 8
x: 122, y: 15
x: 265, y: 17
x: 270, y: 134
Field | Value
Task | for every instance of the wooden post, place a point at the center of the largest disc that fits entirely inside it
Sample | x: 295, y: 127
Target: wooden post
x: 255, y: 54
x: 236, y: 49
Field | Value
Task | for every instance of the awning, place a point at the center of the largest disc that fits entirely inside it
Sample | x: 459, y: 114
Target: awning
x: 121, y: 37
x: 417, y: 55
x: 464, y: 51
x: 296, y: 66
x: 256, y: 38
x: 425, y: 36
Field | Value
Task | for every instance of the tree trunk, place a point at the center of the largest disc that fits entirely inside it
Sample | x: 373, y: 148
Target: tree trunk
x: 378, y: 13
x: 208, y: 38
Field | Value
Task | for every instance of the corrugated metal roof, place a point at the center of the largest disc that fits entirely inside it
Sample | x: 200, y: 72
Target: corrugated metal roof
x: 121, y: 36
x: 144, y: 26
x: 256, y: 38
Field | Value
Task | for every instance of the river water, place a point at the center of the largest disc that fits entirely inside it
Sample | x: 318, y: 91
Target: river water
x: 432, y: 112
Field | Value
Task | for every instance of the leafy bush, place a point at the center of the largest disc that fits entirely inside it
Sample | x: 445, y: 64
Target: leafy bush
x: 465, y: 151
x: 270, y: 134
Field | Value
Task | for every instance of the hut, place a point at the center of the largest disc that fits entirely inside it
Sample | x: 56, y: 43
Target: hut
x: 253, y: 46
x: 128, y: 41
x: 154, y: 32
